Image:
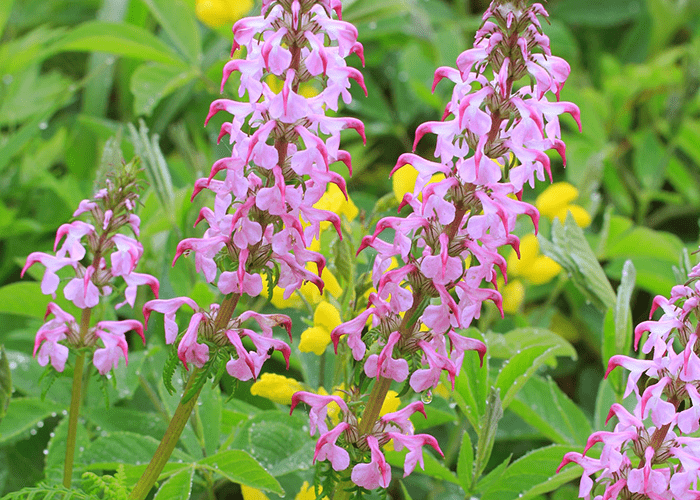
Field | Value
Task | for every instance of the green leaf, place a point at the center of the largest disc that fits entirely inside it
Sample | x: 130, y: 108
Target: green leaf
x: 56, y: 448
x: 239, y: 467
x: 119, y: 419
x: 654, y: 275
x: 24, y: 414
x: 530, y: 355
x: 178, y: 21
x: 5, y: 383
x: 151, y: 82
x: 492, y: 477
x: 209, y: 416
x: 178, y: 486
x: 597, y: 13
x: 545, y: 407
x: 570, y: 249
x: 505, y: 346
x: 266, y: 436
x: 121, y: 39
x: 604, y: 400
x: 49, y: 493
x: 650, y: 159
x: 632, y: 242
x: 24, y: 298
x: 465, y: 463
x: 532, y: 475
x: 623, y: 313
x: 433, y: 467
x: 471, y: 385
x: 5, y: 9
x: 113, y: 448
x: 487, y: 430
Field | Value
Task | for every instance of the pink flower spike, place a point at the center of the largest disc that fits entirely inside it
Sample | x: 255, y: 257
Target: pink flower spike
x: 326, y: 449
x: 374, y: 474
x: 414, y: 444
x: 319, y: 410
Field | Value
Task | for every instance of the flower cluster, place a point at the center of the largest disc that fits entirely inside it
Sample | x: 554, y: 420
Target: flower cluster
x: 106, y: 254
x: 265, y: 215
x: 490, y: 143
x: 651, y: 452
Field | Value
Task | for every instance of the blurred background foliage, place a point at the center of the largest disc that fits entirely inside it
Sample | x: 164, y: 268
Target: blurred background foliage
x: 74, y: 73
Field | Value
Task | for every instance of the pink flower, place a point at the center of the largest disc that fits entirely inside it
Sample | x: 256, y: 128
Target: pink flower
x: 115, y: 347
x: 168, y: 307
x: 374, y: 474
x: 385, y: 365
x: 414, y: 444
x: 319, y: 410
x: 326, y: 449
x: 189, y: 350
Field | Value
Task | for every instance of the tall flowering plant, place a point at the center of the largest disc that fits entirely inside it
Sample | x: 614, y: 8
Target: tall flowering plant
x: 652, y: 453
x: 490, y: 144
x: 263, y: 218
x: 101, y: 255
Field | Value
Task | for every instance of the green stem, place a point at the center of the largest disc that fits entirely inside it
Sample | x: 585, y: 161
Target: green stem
x: 167, y: 444
x: 181, y: 416
x: 75, y: 398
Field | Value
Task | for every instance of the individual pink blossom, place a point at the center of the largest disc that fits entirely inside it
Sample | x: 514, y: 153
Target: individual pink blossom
x: 326, y: 449
x: 414, y: 444
x: 319, y: 408
x: 374, y: 474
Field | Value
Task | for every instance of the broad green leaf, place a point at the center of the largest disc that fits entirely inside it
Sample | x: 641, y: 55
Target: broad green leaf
x: 178, y: 21
x: 209, y: 415
x: 113, y: 448
x: 604, y: 400
x: 638, y: 241
x: 239, y: 467
x: 25, y: 375
x: 680, y: 176
x: 267, y: 435
x: 617, y: 327
x: 24, y: 414
x: 487, y: 431
x: 465, y: 463
x: 570, y: 249
x: 151, y: 82
x: 56, y: 448
x: 545, y: 407
x: 433, y: 467
x: 118, y: 419
x: 505, y: 346
x: 532, y: 475
x: 654, y: 275
x: 24, y: 298
x: 529, y: 356
x: 650, y: 159
x: 597, y: 13
x: 178, y: 486
x: 120, y: 39
x: 471, y: 385
x: 5, y: 382
x: 5, y: 9
x: 404, y: 491
x: 492, y: 477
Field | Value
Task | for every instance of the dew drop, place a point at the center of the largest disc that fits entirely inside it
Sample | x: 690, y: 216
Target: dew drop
x: 64, y: 412
x: 33, y: 432
x: 53, y: 434
x: 13, y: 365
x: 81, y: 449
x: 7, y: 79
x: 109, y: 61
x: 43, y: 126
x: 53, y: 414
x: 40, y: 424
x: 372, y: 25
x: 403, y: 77
x: 138, y: 462
x: 427, y: 397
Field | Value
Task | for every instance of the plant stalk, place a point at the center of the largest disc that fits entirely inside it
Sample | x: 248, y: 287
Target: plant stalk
x: 75, y: 399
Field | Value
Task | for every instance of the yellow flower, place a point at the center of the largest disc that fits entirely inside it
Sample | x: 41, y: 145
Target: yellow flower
x: 305, y: 89
x: 513, y: 295
x: 216, y: 13
x: 555, y: 201
x: 276, y: 388
x: 252, y: 494
x: 317, y: 338
x: 308, y: 492
x: 334, y: 201
x: 391, y: 403
x: 533, y: 266
x: 404, y: 181
x: 442, y: 391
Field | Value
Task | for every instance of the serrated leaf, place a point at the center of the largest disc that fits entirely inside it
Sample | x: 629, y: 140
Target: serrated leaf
x: 209, y: 412
x: 487, y: 430
x: 492, y: 477
x: 570, y: 249
x: 178, y: 486
x: 114, y: 448
x: 49, y: 493
x: 239, y: 467
x: 56, y: 456
x: 545, y: 407
x: 266, y: 436
x: 119, y: 419
x: 24, y: 414
x: 505, y: 346
x: 465, y: 463
x: 5, y: 382
x: 471, y: 385
x: 522, y: 365
x: 623, y: 313
x: 122, y: 39
x: 532, y: 475
x: 604, y: 400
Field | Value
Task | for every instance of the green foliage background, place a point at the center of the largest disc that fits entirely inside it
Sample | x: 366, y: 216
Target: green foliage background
x: 74, y: 73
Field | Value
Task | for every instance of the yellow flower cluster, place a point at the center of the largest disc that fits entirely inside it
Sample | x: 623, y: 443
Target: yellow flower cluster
x: 404, y: 181
x: 216, y: 13
x: 538, y: 269
x: 307, y: 492
x: 316, y: 338
x: 277, y: 388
